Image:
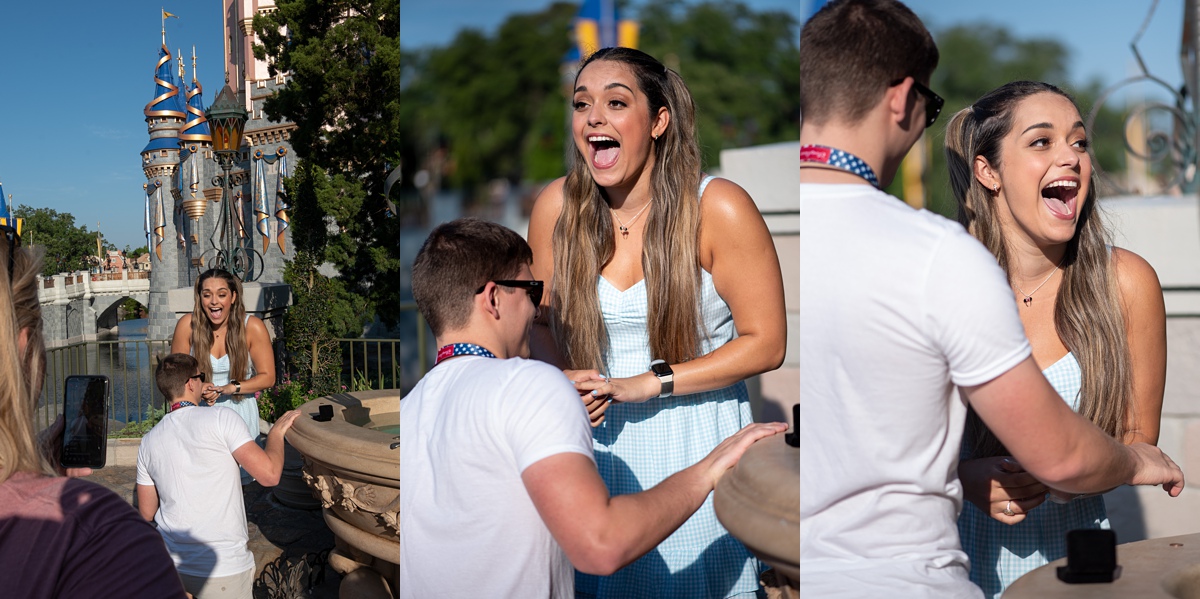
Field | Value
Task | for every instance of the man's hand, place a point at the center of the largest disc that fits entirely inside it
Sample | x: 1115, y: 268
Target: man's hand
x: 998, y: 484
x: 1156, y: 468
x: 284, y: 423
x: 726, y: 455
x: 51, y: 440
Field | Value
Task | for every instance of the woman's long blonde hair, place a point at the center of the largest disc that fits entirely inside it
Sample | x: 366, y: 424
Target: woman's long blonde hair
x: 235, y: 329
x: 21, y: 371
x: 1087, y: 312
x: 583, y: 237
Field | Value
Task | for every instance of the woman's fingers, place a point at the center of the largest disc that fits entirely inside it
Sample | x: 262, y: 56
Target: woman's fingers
x: 1012, y: 511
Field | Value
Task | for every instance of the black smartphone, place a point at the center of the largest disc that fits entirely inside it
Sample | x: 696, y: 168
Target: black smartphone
x: 85, y: 432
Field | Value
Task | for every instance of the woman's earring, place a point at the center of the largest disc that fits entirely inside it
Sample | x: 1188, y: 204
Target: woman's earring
x: 996, y: 187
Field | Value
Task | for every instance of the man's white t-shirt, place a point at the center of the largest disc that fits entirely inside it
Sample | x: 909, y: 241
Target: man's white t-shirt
x: 896, y: 307
x: 468, y: 430
x: 188, y: 458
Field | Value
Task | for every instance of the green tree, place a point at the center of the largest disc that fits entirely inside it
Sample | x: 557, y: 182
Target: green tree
x: 343, y: 59
x: 313, y: 324
x: 741, y: 66
x: 66, y: 246
x: 497, y: 105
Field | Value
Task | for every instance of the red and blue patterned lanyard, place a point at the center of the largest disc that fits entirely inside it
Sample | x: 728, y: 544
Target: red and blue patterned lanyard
x: 181, y: 404
x: 840, y: 159
x: 461, y: 349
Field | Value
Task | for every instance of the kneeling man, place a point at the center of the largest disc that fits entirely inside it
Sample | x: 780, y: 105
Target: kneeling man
x: 498, y: 477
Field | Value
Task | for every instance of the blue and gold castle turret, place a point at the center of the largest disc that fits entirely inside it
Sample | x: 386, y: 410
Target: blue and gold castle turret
x: 183, y: 189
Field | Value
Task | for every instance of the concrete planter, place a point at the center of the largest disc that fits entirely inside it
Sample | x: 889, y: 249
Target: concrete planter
x: 758, y: 502
x: 354, y: 471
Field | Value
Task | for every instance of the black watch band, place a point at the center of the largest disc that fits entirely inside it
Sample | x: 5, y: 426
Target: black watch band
x: 666, y: 377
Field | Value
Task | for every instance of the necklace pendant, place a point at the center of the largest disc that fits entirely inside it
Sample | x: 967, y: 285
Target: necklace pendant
x: 1028, y: 300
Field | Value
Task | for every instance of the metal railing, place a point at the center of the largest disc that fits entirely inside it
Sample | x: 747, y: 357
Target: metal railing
x: 422, y: 336
x: 375, y: 360
x: 129, y: 365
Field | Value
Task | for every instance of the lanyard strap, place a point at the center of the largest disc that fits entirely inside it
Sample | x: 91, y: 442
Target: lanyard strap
x: 840, y: 159
x: 181, y: 404
x: 461, y: 349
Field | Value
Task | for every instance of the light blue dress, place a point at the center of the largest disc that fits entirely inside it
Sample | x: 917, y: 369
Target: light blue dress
x: 640, y: 444
x: 247, y: 408
x: 1000, y: 554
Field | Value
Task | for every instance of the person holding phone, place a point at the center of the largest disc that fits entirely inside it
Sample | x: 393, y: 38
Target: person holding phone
x: 59, y: 537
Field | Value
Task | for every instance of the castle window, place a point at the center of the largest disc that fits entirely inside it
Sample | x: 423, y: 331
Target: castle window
x: 261, y: 84
x: 162, y: 153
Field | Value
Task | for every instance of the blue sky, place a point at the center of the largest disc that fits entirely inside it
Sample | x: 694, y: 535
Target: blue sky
x: 435, y: 22
x: 74, y: 81
x: 1097, y: 32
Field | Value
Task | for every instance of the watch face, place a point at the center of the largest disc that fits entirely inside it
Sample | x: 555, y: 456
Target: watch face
x: 661, y: 368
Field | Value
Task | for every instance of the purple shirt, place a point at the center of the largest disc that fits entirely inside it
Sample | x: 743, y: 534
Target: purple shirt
x: 63, y: 537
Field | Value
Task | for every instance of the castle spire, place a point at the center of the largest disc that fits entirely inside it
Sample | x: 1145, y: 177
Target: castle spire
x: 196, y: 127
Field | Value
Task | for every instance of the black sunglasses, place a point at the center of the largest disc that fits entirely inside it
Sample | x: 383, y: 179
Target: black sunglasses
x: 198, y: 376
x: 533, y: 288
x: 933, y: 102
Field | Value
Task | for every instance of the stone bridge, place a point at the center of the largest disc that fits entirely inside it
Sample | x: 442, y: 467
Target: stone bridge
x: 76, y: 306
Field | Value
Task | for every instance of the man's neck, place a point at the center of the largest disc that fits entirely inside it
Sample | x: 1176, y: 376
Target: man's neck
x: 485, y: 341
x: 863, y: 141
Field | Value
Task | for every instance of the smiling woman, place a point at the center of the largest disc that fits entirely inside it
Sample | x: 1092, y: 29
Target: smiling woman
x: 663, y: 295
x: 1022, y: 172
x: 240, y: 359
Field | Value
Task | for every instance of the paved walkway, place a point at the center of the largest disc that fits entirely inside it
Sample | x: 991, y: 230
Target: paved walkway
x: 274, y: 528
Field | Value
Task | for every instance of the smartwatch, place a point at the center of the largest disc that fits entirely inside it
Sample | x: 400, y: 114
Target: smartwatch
x: 237, y: 387
x: 666, y: 377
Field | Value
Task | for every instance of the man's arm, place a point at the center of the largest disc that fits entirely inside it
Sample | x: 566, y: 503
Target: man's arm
x: 265, y: 466
x: 600, y: 534
x: 1060, y: 447
x: 147, y: 496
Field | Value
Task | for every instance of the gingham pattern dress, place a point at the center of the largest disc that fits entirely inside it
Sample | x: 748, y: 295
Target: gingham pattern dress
x: 640, y: 444
x: 1000, y: 554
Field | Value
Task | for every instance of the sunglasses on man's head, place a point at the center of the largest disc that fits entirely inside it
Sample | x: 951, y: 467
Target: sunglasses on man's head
x: 933, y: 102
x: 198, y: 376
x: 533, y: 288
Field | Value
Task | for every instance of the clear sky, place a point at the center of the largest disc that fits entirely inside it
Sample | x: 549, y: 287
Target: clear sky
x: 74, y: 81
x: 436, y: 22
x: 1097, y: 32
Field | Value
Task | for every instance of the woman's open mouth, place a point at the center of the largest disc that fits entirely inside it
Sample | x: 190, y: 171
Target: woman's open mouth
x: 215, y: 314
x: 605, y: 151
x: 1060, y: 197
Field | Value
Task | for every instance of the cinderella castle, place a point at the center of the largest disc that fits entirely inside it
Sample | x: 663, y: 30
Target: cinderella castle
x: 186, y: 190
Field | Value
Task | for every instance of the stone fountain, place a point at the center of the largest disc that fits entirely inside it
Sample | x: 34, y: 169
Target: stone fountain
x: 352, y: 466
x: 1163, y: 568
x: 758, y: 502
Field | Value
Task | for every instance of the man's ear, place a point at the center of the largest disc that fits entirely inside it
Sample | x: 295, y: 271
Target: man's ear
x: 897, y: 98
x: 488, y: 297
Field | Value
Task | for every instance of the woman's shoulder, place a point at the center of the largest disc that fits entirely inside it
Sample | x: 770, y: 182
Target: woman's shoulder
x: 724, y: 198
x: 546, y: 208
x: 1135, y: 276
x: 1131, y: 268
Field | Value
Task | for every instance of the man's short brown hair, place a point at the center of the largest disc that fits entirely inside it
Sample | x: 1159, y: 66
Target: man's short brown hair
x: 457, y: 259
x: 852, y: 50
x: 173, y: 373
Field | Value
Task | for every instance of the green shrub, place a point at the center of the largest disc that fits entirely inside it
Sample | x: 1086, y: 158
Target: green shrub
x: 286, y: 395
x: 139, y: 429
